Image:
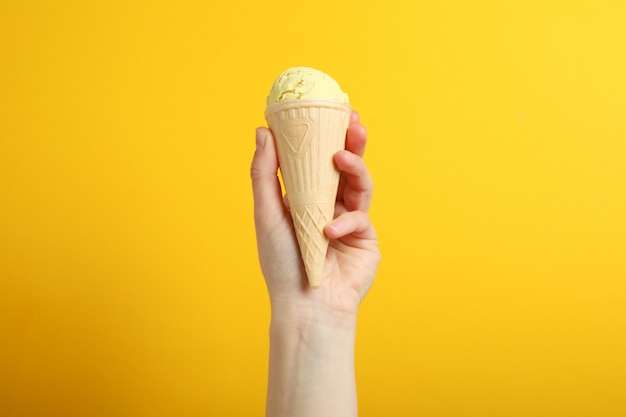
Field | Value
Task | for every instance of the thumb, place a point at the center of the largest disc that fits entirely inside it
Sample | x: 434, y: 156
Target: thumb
x: 265, y: 185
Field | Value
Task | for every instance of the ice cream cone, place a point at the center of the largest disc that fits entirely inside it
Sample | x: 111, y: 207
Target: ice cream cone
x: 308, y: 133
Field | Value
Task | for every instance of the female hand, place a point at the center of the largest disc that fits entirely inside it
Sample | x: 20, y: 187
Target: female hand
x: 353, y: 253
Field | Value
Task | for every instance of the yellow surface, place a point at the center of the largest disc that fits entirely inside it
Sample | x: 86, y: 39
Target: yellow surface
x: 129, y: 284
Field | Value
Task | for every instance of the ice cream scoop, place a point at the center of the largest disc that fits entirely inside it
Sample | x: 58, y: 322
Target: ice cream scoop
x: 299, y: 83
x: 308, y: 115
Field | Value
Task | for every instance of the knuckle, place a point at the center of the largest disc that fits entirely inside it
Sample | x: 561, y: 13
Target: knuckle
x: 255, y: 172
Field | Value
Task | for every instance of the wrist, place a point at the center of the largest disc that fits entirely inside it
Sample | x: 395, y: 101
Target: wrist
x: 311, y: 371
x: 325, y: 332
x: 298, y: 313
x: 335, y: 306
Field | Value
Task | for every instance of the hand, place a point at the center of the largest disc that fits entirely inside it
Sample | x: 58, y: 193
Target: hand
x: 353, y: 254
x: 312, y: 334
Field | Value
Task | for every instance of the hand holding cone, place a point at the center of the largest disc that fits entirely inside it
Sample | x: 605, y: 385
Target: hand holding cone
x: 308, y: 133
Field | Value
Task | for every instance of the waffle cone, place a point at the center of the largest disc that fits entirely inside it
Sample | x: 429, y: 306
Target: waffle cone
x: 307, y: 134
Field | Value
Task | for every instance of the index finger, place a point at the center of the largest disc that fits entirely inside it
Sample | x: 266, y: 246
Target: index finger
x: 356, y: 136
x: 358, y: 187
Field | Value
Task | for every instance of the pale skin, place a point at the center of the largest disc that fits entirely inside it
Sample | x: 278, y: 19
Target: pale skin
x: 312, y: 331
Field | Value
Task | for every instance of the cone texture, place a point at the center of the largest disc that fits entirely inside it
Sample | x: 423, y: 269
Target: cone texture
x: 308, y: 133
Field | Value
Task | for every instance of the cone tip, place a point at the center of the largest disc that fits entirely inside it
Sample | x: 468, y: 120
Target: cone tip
x: 314, y: 280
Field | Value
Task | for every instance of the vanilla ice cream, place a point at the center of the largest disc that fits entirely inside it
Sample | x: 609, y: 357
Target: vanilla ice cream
x: 300, y: 83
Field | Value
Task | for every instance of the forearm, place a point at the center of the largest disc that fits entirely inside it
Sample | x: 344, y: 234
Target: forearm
x: 311, y: 371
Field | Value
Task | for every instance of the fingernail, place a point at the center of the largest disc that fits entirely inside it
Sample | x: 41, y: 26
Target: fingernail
x: 260, y: 139
x: 336, y: 226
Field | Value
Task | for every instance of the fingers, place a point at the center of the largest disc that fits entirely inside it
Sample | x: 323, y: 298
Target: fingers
x: 356, y: 136
x: 356, y: 223
x: 355, y: 117
x: 358, y: 187
x: 265, y: 185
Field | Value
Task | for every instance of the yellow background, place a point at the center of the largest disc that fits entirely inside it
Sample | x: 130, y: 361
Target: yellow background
x: 129, y: 284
